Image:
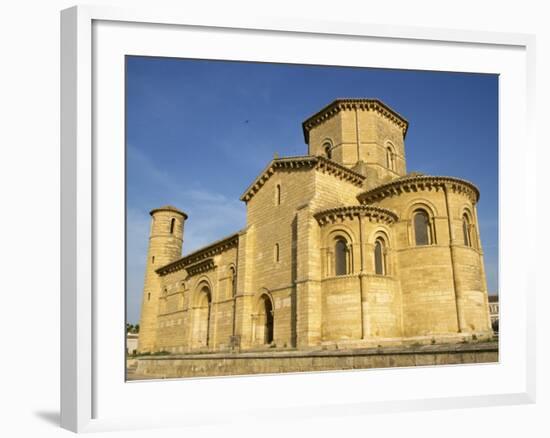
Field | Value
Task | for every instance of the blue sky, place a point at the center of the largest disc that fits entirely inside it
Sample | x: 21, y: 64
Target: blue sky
x: 198, y: 132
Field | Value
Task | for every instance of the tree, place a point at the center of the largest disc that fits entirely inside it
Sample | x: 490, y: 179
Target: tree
x: 130, y: 328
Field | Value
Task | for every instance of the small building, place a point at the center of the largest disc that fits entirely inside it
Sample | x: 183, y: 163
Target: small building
x: 132, y: 341
x: 494, y: 311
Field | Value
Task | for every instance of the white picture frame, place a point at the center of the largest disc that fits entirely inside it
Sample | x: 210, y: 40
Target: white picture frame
x: 91, y: 387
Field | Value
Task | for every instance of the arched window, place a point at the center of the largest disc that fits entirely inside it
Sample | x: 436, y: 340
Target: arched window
x: 422, y: 232
x: 278, y: 194
x: 341, y: 257
x: 328, y: 150
x: 466, y: 230
x: 172, y: 224
x: 390, y: 158
x: 380, y: 257
x: 277, y: 252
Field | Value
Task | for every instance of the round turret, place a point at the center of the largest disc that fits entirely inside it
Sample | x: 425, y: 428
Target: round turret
x: 165, y: 246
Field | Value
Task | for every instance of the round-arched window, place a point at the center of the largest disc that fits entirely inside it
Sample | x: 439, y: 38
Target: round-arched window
x: 422, y: 232
x: 390, y: 158
x: 341, y: 256
x: 380, y: 257
x: 327, y: 149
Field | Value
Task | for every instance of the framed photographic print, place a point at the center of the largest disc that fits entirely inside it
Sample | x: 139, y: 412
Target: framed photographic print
x: 257, y: 207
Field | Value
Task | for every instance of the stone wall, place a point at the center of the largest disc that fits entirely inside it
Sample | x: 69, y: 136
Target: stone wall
x: 342, y: 313
x: 293, y: 361
x: 181, y: 312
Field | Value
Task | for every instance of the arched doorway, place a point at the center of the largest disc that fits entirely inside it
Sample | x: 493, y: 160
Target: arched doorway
x: 268, y: 329
x: 201, y: 329
x: 264, y: 321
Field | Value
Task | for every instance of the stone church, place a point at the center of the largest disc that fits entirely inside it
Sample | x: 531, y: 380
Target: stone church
x: 342, y: 249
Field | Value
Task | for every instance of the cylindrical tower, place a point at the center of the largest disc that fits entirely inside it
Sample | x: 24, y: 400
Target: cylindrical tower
x: 165, y: 246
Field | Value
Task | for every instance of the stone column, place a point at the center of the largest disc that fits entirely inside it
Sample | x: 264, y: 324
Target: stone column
x: 452, y: 242
x: 308, y: 280
x: 243, y: 298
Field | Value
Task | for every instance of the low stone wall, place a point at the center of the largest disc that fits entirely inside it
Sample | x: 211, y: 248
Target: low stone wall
x: 270, y: 362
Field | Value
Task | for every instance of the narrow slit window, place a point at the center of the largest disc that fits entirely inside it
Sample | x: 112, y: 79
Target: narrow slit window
x: 233, y: 282
x: 466, y: 231
x: 389, y: 158
x: 172, y: 224
x: 277, y: 252
x: 278, y: 194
